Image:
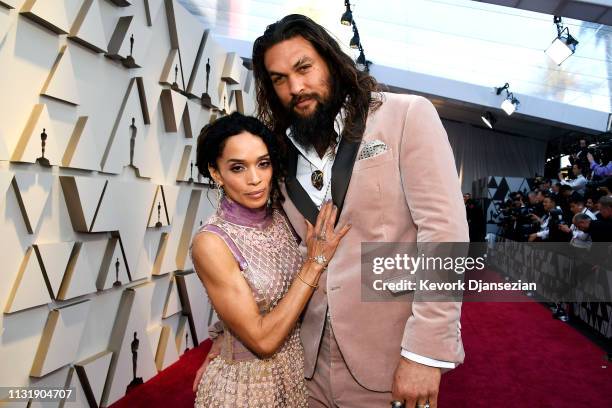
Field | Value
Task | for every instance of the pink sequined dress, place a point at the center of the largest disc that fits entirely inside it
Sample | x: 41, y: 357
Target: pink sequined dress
x: 267, y: 253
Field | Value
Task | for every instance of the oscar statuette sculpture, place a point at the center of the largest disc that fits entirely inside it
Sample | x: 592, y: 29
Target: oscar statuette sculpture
x: 42, y: 160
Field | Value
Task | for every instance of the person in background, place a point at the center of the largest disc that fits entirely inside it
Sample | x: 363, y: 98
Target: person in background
x: 599, y: 169
x: 579, y: 182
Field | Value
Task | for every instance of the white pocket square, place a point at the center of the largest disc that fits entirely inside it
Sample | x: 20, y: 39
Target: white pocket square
x: 372, y: 148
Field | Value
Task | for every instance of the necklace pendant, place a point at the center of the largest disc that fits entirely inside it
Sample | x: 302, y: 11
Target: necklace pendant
x: 316, y: 178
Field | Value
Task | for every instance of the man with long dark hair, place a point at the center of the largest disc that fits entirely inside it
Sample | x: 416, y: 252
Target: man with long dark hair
x: 385, y: 162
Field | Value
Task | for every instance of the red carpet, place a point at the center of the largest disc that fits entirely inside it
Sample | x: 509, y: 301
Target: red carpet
x: 517, y: 356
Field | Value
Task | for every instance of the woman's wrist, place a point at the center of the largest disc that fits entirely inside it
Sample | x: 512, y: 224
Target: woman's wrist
x: 311, y: 272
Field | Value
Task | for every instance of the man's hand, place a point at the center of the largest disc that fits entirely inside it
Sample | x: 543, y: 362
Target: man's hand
x: 564, y: 228
x: 214, y: 351
x: 532, y: 237
x: 414, y: 384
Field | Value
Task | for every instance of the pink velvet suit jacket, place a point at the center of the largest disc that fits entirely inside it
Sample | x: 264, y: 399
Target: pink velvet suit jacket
x: 409, y: 193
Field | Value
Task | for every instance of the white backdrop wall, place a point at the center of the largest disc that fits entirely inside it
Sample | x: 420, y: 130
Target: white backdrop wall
x: 95, y: 251
x: 480, y: 153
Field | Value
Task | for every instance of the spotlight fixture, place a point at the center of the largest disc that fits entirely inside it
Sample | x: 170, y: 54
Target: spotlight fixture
x: 563, y: 46
x: 510, y: 104
x: 347, y: 16
x: 362, y: 63
x: 355, y: 40
x: 489, y: 119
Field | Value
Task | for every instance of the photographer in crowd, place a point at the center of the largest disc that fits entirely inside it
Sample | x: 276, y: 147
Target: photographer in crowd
x: 579, y: 182
x: 580, y: 239
x: 549, y: 223
x: 600, y: 230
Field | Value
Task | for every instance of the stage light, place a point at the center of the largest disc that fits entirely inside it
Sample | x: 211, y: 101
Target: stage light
x: 563, y: 46
x: 347, y: 17
x: 362, y: 63
x: 489, y: 119
x: 355, y: 40
x: 509, y: 104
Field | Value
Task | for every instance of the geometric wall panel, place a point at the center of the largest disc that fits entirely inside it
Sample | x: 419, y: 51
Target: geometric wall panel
x: 159, y: 258
x: 76, y: 227
x: 173, y: 105
x: 189, y: 224
x: 118, y: 37
x: 125, y: 144
x: 138, y: 28
x: 4, y: 154
x: 173, y: 303
x: 55, y: 15
x: 158, y: 215
x: 88, y: 29
x: 184, y: 34
x: 83, y: 147
x: 232, y: 68
x: 186, y: 169
x: 207, y: 70
x: 79, y: 396
x: 10, y: 4
x: 166, y: 350
x: 29, y: 289
x: 194, y: 304
x: 154, y: 337
x: 79, y: 278
x: 5, y: 22
x: 125, y: 208
x: 170, y: 72
x: 223, y: 105
x: 83, y: 196
x: 133, y: 360
x: 56, y: 379
x: 170, y: 195
x: 54, y: 260
x: 112, y: 268
x: 61, y: 336
x: 198, y: 118
x: 6, y: 178
x: 32, y: 191
x: 92, y: 374
x: 61, y: 81
x: 29, y: 146
x: 182, y: 337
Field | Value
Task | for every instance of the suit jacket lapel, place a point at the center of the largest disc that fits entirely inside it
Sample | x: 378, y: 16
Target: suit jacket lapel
x: 296, y: 192
x: 342, y: 171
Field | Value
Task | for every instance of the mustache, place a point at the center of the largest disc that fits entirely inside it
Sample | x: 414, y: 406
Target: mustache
x: 302, y: 97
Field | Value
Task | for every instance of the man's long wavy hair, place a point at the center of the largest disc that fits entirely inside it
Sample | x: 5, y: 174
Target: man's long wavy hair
x: 358, y: 87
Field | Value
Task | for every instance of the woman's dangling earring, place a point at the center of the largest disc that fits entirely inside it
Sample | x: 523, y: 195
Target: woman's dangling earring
x: 220, y: 194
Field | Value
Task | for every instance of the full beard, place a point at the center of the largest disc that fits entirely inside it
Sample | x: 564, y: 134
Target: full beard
x: 317, y: 129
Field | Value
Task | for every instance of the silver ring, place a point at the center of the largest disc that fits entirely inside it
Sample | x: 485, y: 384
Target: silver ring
x: 397, y: 404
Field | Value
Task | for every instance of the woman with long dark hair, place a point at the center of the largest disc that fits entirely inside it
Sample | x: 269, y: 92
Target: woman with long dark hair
x: 248, y: 260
